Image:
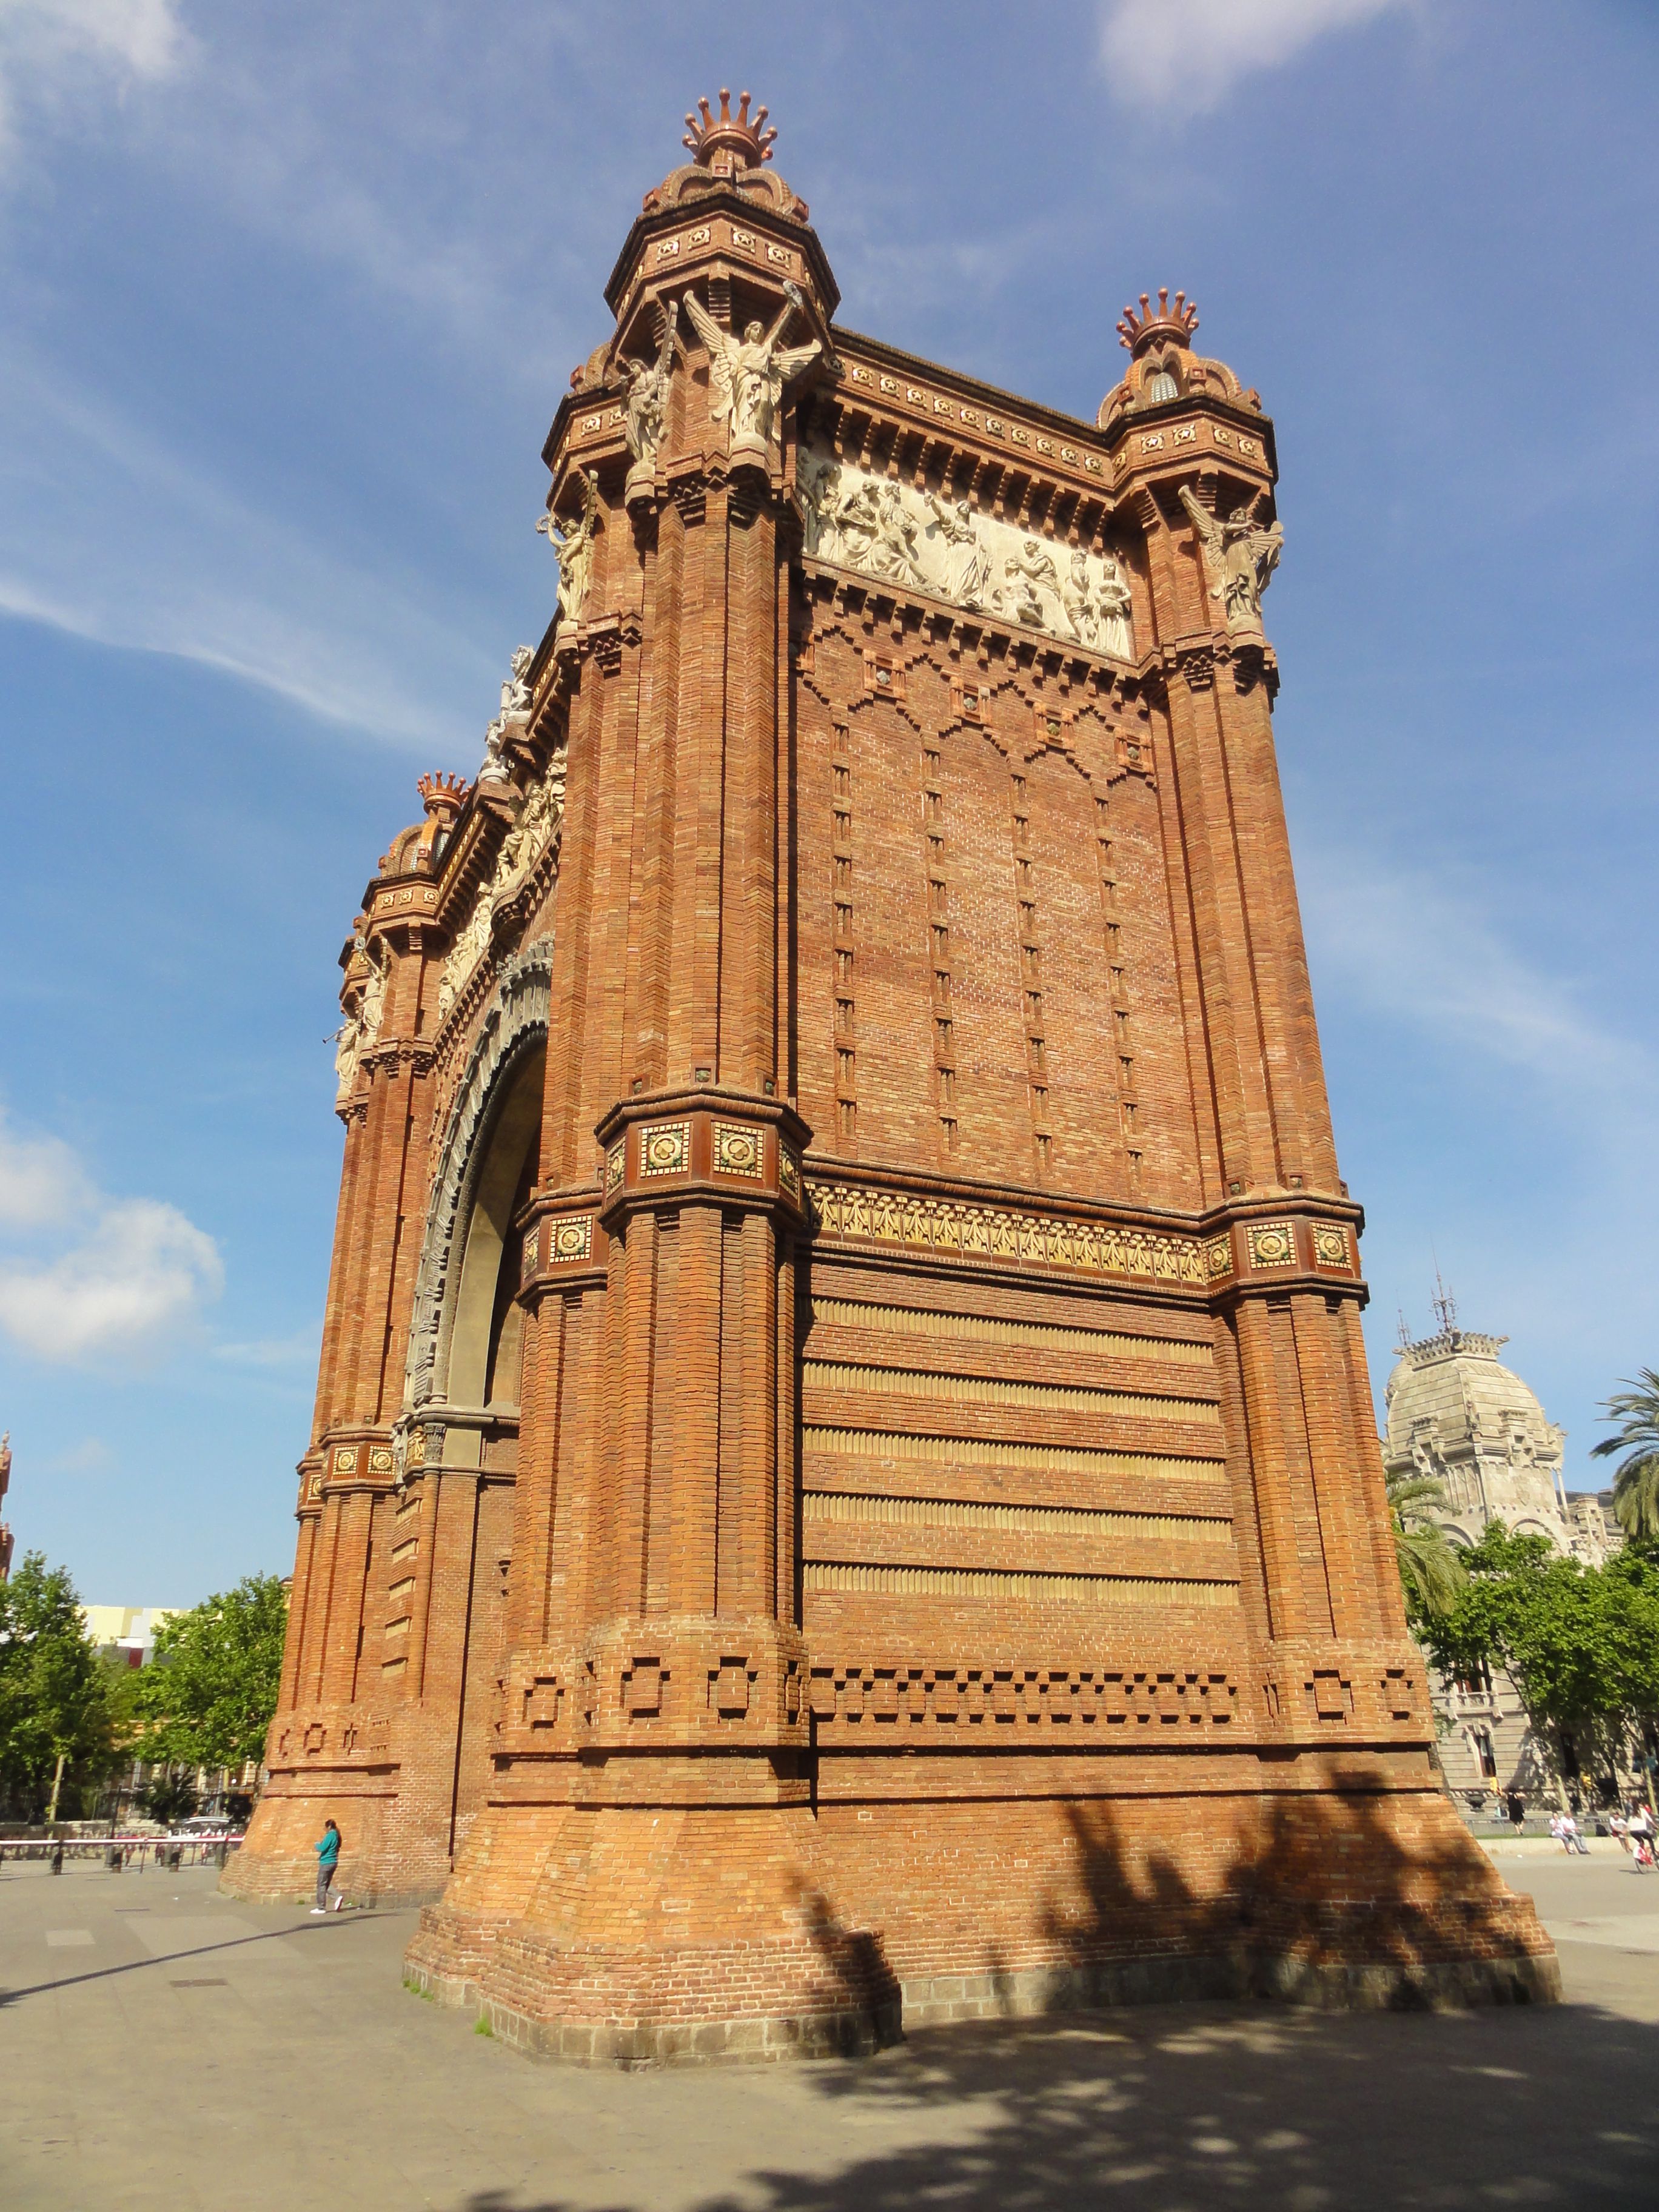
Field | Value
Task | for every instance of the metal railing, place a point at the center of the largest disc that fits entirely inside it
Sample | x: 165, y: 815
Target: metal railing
x: 125, y: 1854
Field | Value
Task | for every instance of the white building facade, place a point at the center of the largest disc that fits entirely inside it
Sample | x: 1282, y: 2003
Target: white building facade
x: 1456, y: 1414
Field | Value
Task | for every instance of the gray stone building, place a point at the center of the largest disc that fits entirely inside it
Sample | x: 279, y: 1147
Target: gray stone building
x: 1454, y: 1412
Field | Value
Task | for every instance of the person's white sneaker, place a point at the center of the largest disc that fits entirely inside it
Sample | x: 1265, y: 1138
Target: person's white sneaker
x: 317, y: 1912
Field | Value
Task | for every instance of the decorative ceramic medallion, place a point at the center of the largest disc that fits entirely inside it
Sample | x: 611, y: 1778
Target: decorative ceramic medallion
x: 666, y: 1149
x: 736, y: 1149
x: 1331, y: 1248
x: 572, y: 1239
x: 1273, y: 1244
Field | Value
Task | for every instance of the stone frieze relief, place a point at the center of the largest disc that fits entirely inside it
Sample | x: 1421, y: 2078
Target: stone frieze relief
x: 949, y: 548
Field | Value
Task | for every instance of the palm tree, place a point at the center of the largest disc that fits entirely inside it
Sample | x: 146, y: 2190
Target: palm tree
x: 1636, y: 1481
x: 1430, y: 1571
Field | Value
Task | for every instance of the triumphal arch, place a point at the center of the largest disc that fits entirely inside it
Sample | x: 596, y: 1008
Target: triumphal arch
x: 844, y: 1488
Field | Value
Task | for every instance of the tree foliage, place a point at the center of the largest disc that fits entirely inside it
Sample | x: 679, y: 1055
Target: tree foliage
x: 1636, y: 1479
x: 1429, y: 1573
x: 1580, y: 1644
x: 58, y: 1697
x: 207, y: 1697
x: 170, y: 1798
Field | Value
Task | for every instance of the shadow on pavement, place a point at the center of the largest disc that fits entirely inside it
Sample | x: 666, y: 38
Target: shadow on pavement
x: 1173, y: 2108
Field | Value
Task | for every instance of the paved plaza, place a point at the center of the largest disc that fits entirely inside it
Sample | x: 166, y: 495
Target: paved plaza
x: 161, y: 2046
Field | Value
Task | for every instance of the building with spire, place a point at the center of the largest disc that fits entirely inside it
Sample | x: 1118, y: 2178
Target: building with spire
x: 843, y: 1486
x: 1456, y: 1414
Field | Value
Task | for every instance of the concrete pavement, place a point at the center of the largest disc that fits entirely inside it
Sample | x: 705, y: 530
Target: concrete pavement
x: 162, y: 2046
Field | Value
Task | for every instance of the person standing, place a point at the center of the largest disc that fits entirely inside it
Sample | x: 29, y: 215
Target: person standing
x: 327, y: 1849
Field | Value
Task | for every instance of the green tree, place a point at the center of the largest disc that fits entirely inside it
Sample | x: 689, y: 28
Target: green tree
x: 1429, y: 1572
x: 170, y: 1798
x: 1580, y: 1644
x: 1636, y: 1480
x: 58, y: 1697
x: 207, y: 1697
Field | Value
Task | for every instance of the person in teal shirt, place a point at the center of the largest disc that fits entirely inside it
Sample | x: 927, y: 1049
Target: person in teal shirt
x: 328, y: 1857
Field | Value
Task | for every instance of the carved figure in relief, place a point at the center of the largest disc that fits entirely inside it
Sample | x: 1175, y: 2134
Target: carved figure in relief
x: 362, y: 1022
x: 1031, y: 589
x: 894, y: 550
x: 575, y: 547
x: 537, y: 818
x: 515, y: 713
x: 644, y: 409
x: 1115, y: 605
x: 965, y: 571
x: 1241, y: 557
x: 748, y: 374
x: 817, y: 492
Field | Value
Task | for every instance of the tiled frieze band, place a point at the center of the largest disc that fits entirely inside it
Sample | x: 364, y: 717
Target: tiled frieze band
x: 877, y: 1217
x: 1013, y: 1585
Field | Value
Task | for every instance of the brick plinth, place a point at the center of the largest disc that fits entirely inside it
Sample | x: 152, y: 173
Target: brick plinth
x: 844, y: 1485
x: 664, y: 1937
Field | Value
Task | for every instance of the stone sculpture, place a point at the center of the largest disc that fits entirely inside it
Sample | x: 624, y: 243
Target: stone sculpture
x: 944, y: 546
x: 966, y: 570
x: 1241, y: 557
x: 361, y: 1025
x: 644, y: 407
x: 539, y: 815
x: 575, y: 547
x: 514, y: 715
x: 748, y: 374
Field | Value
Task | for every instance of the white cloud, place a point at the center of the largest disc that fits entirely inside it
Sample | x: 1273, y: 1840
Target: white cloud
x: 1433, y: 958
x: 41, y: 1182
x: 47, y: 47
x: 106, y: 1278
x: 1188, y: 55
x: 298, y: 1350
x: 109, y: 534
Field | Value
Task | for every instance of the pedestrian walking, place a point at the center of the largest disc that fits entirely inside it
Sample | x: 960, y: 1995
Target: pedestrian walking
x: 328, y: 1858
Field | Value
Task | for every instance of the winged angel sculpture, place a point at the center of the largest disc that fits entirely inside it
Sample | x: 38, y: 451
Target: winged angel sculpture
x: 1242, y: 556
x: 749, y: 373
x: 575, y: 547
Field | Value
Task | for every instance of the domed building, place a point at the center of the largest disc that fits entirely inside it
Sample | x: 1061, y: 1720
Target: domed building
x: 1456, y: 1414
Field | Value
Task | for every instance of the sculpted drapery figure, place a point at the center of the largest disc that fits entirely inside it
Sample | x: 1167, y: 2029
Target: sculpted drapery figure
x: 575, y: 547
x: 515, y: 711
x: 1032, y: 586
x: 362, y: 1023
x: 644, y: 407
x: 748, y: 374
x: 967, y: 565
x: 1241, y: 557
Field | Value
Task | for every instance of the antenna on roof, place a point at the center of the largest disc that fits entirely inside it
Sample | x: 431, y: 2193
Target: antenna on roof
x: 1445, y: 1305
x: 1402, y: 1335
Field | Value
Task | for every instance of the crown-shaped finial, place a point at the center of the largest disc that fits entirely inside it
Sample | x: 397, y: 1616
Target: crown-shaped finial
x: 748, y: 144
x: 443, y: 794
x: 1138, y: 332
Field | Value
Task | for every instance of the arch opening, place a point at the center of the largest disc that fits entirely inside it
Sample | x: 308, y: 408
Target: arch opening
x: 486, y: 1334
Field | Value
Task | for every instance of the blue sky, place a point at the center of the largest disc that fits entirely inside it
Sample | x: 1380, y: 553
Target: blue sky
x: 289, y: 296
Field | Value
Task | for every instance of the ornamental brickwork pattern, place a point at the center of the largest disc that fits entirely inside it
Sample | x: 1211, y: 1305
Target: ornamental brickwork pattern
x: 844, y: 1485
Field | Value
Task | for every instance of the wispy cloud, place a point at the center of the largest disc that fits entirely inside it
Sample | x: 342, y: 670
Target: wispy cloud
x: 109, y: 534
x: 1188, y: 55
x: 298, y: 1350
x: 90, y: 1456
x: 90, y: 1277
x: 1435, y: 959
x: 56, y: 53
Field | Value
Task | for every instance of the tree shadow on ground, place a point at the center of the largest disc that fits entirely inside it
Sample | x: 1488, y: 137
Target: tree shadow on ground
x: 1168, y: 2106
x: 1163, y: 2108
